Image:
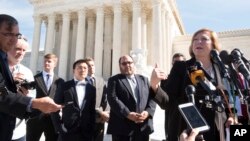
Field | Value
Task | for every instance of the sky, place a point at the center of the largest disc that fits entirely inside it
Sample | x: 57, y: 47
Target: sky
x: 218, y: 15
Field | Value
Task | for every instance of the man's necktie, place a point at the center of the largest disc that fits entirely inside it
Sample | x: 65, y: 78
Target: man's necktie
x: 48, y: 82
x: 92, y: 81
x: 135, y: 89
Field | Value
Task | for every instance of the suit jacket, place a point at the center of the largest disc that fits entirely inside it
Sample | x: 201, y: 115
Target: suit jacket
x: 41, y: 90
x: 77, y: 120
x: 101, y: 96
x: 172, y: 93
x: 122, y: 102
x: 12, y: 104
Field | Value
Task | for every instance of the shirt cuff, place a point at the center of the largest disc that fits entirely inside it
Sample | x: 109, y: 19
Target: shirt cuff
x: 29, y: 106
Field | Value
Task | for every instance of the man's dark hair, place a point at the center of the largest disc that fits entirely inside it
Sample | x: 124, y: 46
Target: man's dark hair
x: 79, y: 62
x: 9, y: 20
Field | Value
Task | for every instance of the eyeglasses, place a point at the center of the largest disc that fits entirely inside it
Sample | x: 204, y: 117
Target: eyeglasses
x: 125, y: 63
x: 9, y: 35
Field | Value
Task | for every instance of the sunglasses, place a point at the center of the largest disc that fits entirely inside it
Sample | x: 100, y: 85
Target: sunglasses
x: 125, y: 63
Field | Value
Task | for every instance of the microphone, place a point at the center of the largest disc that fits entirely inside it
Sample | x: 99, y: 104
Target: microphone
x: 200, y: 66
x: 197, y: 76
x: 216, y: 58
x: 243, y: 58
x: 190, y: 90
x: 225, y: 57
x: 236, y: 55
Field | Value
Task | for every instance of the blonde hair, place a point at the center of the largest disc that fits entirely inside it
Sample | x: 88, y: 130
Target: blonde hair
x: 213, y: 37
x: 51, y: 56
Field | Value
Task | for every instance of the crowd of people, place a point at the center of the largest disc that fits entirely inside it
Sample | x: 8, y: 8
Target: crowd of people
x: 78, y: 109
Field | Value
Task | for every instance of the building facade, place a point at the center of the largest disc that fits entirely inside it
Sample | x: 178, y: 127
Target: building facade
x: 105, y: 30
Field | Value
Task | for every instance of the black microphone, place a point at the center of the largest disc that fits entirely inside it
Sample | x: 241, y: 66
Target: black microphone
x: 190, y: 90
x: 225, y: 57
x: 247, y: 63
x: 216, y: 59
x: 236, y: 58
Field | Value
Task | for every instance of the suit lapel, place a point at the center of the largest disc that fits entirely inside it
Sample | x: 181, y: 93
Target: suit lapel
x: 53, y: 87
x: 139, y: 85
x: 41, y: 83
x: 73, y: 92
x: 128, y: 87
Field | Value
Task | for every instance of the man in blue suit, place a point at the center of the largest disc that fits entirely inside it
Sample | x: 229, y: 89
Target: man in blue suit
x: 132, y: 108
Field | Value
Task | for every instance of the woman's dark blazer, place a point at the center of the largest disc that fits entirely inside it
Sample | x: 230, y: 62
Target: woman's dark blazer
x: 172, y: 93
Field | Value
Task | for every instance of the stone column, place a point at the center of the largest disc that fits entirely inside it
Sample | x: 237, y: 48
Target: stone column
x: 150, y: 48
x: 136, y: 26
x: 138, y: 53
x: 116, y: 38
x: 164, y: 44
x: 125, y: 32
x: 35, y: 43
x: 72, y: 46
x: 107, y: 58
x: 99, y: 41
x: 80, y: 38
x: 49, y: 45
x: 157, y: 33
x: 144, y: 29
x: 90, y: 36
x: 63, y: 59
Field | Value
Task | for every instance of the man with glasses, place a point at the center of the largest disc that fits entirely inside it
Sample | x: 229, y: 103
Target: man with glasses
x: 12, y: 103
x: 132, y: 108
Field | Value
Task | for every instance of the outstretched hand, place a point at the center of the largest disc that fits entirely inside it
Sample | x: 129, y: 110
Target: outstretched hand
x: 46, y: 105
x: 156, y: 76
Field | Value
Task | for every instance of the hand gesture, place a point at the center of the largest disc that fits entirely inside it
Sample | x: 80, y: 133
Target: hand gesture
x: 156, y: 76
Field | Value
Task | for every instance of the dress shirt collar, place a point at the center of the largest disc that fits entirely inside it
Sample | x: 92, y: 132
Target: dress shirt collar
x: 45, y: 74
x: 80, y: 82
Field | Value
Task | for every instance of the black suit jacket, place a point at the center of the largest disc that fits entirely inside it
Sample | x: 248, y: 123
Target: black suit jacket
x: 122, y: 102
x: 77, y: 120
x: 172, y: 93
x: 41, y: 90
x: 12, y: 104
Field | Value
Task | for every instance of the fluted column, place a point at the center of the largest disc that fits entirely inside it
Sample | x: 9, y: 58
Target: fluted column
x: 49, y: 45
x: 144, y: 29
x: 90, y: 36
x: 80, y: 38
x: 116, y: 37
x: 125, y: 32
x: 164, y: 44
x: 136, y: 26
x: 150, y: 48
x: 157, y: 34
x: 107, y: 58
x: 99, y: 41
x: 35, y: 43
x: 63, y: 59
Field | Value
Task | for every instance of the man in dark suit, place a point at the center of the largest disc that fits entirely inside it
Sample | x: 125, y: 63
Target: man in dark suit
x: 101, y: 106
x: 47, y: 83
x: 132, y: 107
x: 78, y: 116
x: 13, y: 104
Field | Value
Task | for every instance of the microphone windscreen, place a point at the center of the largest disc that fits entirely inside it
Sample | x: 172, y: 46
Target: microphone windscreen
x: 225, y: 57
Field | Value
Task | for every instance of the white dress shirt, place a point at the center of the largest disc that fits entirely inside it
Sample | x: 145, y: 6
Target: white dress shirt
x: 80, y: 90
